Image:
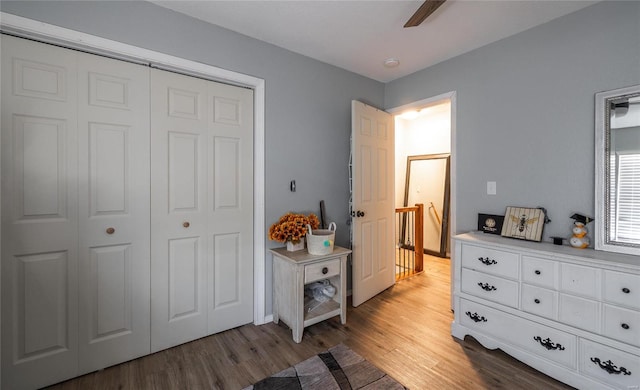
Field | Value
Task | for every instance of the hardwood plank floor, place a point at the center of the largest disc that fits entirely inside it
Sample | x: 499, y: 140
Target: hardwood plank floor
x: 404, y: 331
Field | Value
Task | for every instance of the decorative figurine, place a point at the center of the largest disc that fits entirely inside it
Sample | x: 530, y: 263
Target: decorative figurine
x: 579, y: 238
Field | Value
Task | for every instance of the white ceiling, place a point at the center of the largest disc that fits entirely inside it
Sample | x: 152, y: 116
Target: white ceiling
x: 359, y: 35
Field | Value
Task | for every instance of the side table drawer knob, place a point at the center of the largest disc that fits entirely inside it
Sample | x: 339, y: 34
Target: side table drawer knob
x: 325, y: 270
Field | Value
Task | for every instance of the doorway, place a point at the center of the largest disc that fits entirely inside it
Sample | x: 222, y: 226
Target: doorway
x: 424, y: 128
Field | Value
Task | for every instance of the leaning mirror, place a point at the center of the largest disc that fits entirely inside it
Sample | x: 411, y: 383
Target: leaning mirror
x: 618, y: 170
x: 427, y: 182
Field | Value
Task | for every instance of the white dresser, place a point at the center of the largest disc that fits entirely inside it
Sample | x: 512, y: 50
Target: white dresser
x: 573, y: 314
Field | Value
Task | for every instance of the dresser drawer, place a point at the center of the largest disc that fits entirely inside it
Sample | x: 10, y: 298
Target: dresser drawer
x: 318, y: 271
x: 539, y: 271
x: 541, y: 340
x: 491, y: 261
x: 622, y: 324
x: 539, y: 301
x: 609, y: 365
x: 579, y: 280
x: 579, y: 312
x: 490, y: 287
x: 622, y: 289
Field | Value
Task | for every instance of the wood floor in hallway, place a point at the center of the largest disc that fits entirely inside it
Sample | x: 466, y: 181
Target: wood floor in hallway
x: 404, y: 331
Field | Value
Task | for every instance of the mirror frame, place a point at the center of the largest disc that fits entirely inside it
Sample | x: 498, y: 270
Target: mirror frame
x: 446, y: 201
x: 602, y: 169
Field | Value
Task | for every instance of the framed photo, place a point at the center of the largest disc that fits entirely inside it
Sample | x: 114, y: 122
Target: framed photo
x: 523, y: 223
x: 490, y: 223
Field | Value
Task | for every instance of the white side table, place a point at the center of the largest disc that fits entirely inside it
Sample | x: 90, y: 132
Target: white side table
x: 292, y: 271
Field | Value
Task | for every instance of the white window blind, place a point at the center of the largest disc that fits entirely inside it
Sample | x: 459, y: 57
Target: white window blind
x: 625, y: 182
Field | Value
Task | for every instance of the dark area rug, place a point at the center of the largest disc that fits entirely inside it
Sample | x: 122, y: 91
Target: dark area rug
x: 338, y: 368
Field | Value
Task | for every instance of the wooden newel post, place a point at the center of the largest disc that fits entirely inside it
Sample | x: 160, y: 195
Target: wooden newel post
x: 419, y: 239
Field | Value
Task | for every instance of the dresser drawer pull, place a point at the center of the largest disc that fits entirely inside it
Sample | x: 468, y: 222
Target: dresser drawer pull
x: 609, y: 367
x: 624, y: 326
x: 325, y: 270
x: 476, y: 317
x: 548, y: 344
x: 487, y: 261
x: 536, y: 300
x: 486, y: 286
x: 537, y: 272
x: 626, y: 290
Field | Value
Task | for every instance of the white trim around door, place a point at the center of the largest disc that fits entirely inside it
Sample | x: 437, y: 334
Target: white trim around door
x: 43, y: 32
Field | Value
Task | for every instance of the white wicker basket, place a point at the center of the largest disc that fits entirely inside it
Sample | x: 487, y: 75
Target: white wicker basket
x: 320, y: 241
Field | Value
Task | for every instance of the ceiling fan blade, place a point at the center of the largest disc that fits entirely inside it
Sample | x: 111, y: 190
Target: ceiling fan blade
x: 426, y: 9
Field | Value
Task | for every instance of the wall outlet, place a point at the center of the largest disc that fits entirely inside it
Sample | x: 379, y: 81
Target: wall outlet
x: 491, y: 188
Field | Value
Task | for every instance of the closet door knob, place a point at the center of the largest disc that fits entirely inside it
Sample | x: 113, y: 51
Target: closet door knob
x: 626, y: 290
x: 111, y: 230
x: 536, y: 300
x: 625, y: 326
x: 186, y: 224
x: 537, y: 272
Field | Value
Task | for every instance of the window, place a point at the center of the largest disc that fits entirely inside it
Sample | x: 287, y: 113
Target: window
x: 625, y: 191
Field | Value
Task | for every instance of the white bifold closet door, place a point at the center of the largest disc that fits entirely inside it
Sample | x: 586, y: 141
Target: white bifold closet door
x: 113, y: 139
x: 75, y: 213
x: 127, y: 211
x: 39, y: 217
x: 201, y: 208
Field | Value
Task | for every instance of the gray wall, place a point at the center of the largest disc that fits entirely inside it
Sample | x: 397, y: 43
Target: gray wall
x: 525, y: 111
x: 308, y: 103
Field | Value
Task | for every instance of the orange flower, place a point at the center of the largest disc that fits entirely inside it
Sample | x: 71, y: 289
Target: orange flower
x: 292, y: 227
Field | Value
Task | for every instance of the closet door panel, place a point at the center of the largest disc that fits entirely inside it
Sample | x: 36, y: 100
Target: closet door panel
x: 230, y: 213
x: 113, y: 136
x: 178, y: 206
x: 39, y: 220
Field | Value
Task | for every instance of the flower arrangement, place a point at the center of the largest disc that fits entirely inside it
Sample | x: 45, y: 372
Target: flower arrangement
x: 292, y: 227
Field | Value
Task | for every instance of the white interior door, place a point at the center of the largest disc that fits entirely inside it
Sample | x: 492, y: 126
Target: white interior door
x: 39, y: 214
x: 114, y: 269
x: 202, y: 208
x: 372, y: 135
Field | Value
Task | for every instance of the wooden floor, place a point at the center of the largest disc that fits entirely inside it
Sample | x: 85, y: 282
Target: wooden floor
x: 404, y: 331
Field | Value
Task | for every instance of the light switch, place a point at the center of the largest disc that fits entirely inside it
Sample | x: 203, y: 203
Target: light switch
x: 491, y: 188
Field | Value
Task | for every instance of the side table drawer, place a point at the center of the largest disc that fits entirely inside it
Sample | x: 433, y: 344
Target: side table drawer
x: 323, y: 270
x: 614, y: 367
x: 490, y: 287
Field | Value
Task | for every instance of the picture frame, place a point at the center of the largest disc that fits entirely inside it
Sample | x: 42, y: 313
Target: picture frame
x: 490, y: 223
x: 524, y: 223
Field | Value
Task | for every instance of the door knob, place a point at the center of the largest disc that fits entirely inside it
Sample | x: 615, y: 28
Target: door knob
x: 111, y: 230
x: 360, y: 213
